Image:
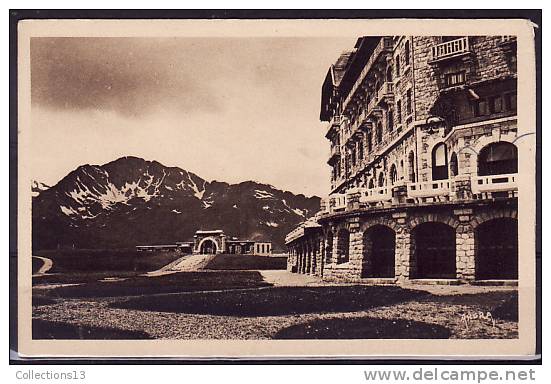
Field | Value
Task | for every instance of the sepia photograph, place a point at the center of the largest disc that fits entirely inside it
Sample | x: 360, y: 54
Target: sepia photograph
x: 322, y: 188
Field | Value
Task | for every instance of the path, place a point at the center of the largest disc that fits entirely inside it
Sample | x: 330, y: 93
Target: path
x: 48, y: 263
x: 183, y: 264
x: 283, y: 278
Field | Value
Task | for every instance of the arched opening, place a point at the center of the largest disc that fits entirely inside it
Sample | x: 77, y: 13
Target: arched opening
x: 498, y: 159
x: 411, y: 167
x: 343, y: 245
x: 434, y: 251
x: 497, y: 249
x: 439, y: 162
x: 381, y: 182
x: 454, y: 167
x: 393, y: 174
x: 329, y: 247
x: 208, y: 247
x: 371, y: 183
x: 379, y: 252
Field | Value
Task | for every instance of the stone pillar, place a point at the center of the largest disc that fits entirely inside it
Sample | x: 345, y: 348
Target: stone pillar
x: 335, y: 250
x: 399, y: 193
x: 355, y: 251
x: 465, y: 262
x: 461, y: 188
x: 308, y: 254
x: 321, y: 256
x: 314, y: 266
x: 404, y: 262
x: 353, y: 199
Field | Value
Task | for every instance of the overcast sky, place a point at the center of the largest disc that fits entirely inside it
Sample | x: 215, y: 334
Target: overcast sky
x: 227, y: 109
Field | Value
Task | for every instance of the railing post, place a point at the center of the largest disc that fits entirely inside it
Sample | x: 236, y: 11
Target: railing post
x: 399, y: 193
x: 462, y: 187
x: 353, y: 199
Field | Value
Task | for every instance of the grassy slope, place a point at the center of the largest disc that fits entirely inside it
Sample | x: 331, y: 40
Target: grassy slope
x: 246, y: 262
x: 118, y: 260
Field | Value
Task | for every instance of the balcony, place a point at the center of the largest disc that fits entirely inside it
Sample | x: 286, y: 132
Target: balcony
x: 384, y: 47
x: 494, y: 183
x: 373, y: 109
x: 333, y: 127
x: 334, y: 155
x: 385, y: 95
x: 450, y: 49
x: 429, y: 189
x: 375, y: 195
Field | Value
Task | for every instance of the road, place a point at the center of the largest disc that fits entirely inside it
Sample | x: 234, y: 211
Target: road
x: 48, y: 263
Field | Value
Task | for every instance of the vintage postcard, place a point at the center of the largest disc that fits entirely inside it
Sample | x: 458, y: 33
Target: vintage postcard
x: 276, y: 188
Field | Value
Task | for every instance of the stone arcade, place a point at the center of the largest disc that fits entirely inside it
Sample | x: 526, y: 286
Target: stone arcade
x: 423, y: 158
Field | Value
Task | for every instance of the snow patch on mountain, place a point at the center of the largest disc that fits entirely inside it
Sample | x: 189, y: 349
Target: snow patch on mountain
x: 261, y: 194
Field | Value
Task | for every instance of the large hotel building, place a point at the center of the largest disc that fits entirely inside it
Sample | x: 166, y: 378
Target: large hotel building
x: 423, y: 160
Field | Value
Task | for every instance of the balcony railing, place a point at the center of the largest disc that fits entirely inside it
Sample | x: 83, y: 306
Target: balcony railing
x: 386, y: 91
x: 333, y: 126
x: 373, y: 195
x: 494, y: 183
x: 450, y: 49
x: 429, y: 188
x: 337, y: 202
x: 422, y: 190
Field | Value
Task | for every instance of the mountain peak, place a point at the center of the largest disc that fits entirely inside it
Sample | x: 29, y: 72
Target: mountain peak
x: 131, y: 200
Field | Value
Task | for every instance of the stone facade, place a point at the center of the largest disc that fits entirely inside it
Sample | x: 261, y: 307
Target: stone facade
x: 423, y: 163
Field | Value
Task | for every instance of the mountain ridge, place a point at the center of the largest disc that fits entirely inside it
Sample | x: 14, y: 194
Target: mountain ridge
x: 131, y: 201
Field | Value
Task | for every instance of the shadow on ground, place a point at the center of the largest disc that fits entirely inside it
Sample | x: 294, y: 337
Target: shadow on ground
x: 508, y: 310
x: 141, y: 285
x: 363, y: 328
x: 275, y: 301
x: 43, y: 329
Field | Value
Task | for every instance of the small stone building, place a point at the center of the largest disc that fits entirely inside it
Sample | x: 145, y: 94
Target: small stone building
x: 423, y: 157
x: 215, y: 241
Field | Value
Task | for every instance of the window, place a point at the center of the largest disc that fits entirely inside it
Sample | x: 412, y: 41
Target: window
x: 389, y: 74
x: 497, y: 159
x: 455, y: 78
x: 408, y: 101
x: 379, y: 133
x: 397, y: 66
x: 354, y: 157
x: 454, y: 169
x: 381, y: 179
x: 439, y: 162
x: 343, y: 245
x: 361, y: 150
x: 393, y: 174
x: 406, y: 54
x: 390, y: 120
x: 496, y: 104
x: 481, y: 107
x: 411, y: 167
x: 399, y: 111
x: 510, y: 101
x: 369, y: 141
